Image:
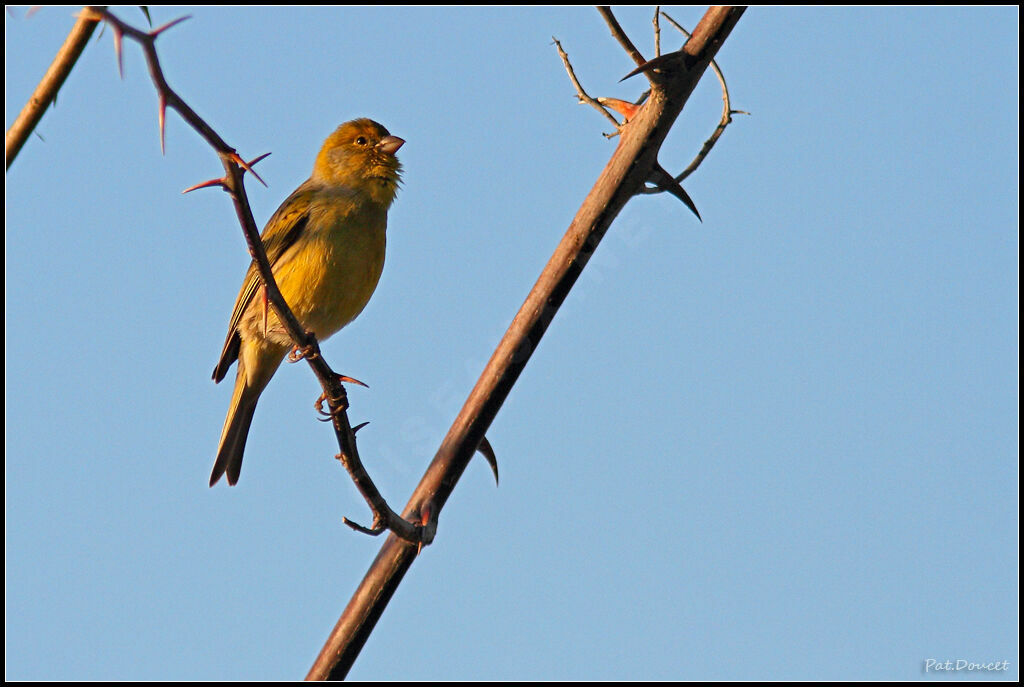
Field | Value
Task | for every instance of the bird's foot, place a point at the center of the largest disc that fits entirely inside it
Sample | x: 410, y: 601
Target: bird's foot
x: 310, y: 350
x: 338, y: 403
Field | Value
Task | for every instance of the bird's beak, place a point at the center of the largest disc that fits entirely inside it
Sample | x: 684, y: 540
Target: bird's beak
x: 390, y: 144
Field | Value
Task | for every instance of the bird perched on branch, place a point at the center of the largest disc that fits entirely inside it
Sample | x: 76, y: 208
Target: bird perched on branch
x: 326, y: 247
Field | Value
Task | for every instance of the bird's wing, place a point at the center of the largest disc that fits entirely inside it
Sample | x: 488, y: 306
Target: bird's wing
x: 281, y: 233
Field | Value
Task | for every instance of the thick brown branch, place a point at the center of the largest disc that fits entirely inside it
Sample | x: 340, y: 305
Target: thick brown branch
x: 46, y: 91
x: 631, y: 165
x: 232, y: 181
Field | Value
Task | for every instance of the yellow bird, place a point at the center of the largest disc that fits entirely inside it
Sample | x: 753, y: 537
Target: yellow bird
x: 326, y: 246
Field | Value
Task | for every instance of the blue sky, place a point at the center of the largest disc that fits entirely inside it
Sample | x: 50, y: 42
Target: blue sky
x: 780, y: 444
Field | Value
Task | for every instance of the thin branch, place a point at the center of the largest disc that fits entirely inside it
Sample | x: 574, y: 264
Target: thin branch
x: 657, y: 31
x: 305, y: 342
x: 46, y: 91
x: 620, y: 35
x: 581, y: 94
x: 629, y: 168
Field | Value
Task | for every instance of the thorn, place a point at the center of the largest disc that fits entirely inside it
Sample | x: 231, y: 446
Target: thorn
x: 247, y: 166
x: 351, y: 380
x: 206, y: 184
x: 145, y: 11
x: 488, y: 453
x: 118, y: 51
x: 360, y: 426
x: 666, y: 182
x: 258, y: 159
x: 162, y: 116
x: 656, y: 63
x: 626, y: 109
x: 156, y: 32
x: 425, y: 514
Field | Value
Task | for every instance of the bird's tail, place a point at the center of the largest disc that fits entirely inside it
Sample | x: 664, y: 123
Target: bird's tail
x: 236, y: 430
x: 240, y: 417
x: 257, y: 363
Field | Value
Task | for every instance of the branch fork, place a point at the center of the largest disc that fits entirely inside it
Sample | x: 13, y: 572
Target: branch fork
x: 659, y: 70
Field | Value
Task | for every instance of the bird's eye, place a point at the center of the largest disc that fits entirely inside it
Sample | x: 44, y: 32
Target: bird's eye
x: 361, y: 141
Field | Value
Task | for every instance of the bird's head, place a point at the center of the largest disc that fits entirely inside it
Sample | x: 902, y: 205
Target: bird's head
x: 361, y: 155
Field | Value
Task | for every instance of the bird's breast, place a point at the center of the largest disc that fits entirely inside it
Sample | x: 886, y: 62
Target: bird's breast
x: 332, y: 271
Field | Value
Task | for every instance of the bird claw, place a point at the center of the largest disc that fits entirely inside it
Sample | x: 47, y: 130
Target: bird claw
x: 309, y: 351
x: 297, y: 354
x: 341, y: 401
x: 328, y: 415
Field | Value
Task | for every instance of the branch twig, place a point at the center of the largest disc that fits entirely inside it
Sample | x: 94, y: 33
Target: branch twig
x: 620, y: 35
x: 234, y: 167
x: 581, y: 94
x: 48, y: 87
x: 657, y: 31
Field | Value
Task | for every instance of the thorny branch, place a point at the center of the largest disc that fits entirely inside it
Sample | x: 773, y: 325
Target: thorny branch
x: 306, y: 344
x: 661, y: 182
x: 726, y: 120
x: 633, y: 163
